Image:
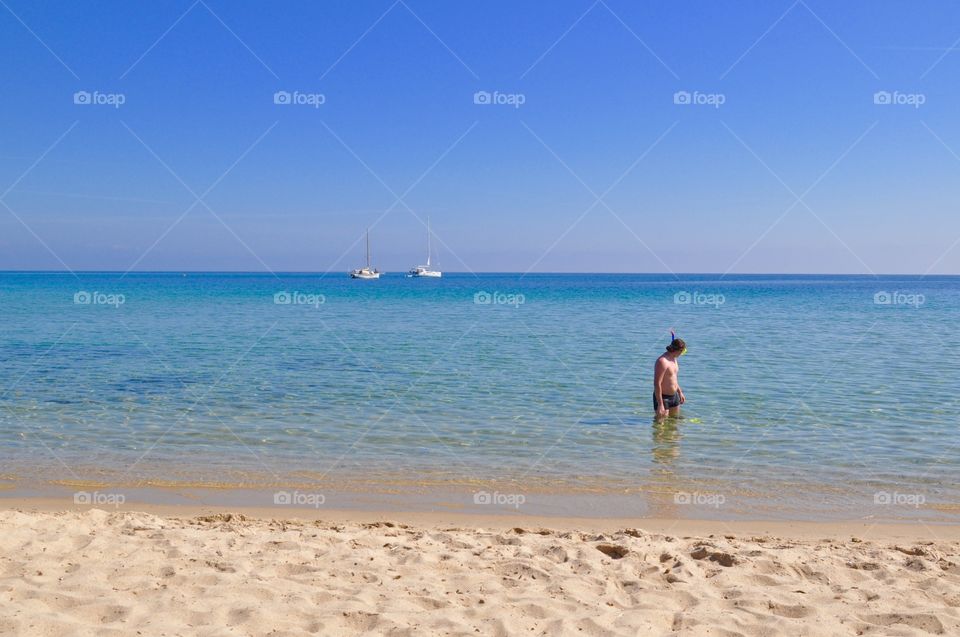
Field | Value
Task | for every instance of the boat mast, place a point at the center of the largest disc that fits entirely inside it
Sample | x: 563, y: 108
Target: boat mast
x: 428, y: 242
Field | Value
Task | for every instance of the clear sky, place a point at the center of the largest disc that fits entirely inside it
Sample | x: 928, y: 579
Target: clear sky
x: 580, y: 160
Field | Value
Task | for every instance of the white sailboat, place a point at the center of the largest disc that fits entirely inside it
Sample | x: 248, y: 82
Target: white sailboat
x: 366, y: 272
x: 426, y: 270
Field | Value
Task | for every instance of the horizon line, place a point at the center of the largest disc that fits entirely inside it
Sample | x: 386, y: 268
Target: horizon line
x: 477, y: 272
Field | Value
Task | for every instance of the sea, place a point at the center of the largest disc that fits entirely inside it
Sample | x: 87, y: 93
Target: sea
x: 809, y: 397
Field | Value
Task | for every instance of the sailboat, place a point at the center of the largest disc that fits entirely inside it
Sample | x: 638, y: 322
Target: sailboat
x: 426, y: 270
x: 366, y: 272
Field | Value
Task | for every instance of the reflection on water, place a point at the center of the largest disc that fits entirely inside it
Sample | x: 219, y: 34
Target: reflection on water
x: 666, y: 444
x: 665, y: 452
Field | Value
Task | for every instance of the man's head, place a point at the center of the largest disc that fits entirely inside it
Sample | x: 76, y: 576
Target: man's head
x: 677, y: 346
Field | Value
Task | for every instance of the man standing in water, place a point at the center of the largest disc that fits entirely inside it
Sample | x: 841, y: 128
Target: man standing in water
x: 667, y: 395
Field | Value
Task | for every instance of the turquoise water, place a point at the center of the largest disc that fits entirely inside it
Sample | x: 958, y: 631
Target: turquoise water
x: 807, y: 396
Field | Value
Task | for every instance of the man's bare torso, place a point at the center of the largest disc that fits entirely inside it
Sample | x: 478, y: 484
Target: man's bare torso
x: 668, y: 384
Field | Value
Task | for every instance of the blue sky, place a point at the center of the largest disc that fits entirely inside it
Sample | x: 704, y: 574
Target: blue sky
x: 797, y: 170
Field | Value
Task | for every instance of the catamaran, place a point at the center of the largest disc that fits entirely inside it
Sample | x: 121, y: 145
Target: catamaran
x: 366, y: 272
x: 426, y: 270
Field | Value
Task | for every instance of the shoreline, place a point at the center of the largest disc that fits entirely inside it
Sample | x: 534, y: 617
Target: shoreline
x: 485, y: 499
x: 691, y: 527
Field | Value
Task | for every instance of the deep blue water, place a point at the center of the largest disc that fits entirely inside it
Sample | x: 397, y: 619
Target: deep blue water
x: 805, y: 393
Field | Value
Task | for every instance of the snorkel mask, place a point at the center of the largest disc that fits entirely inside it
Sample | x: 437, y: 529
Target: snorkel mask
x: 673, y: 339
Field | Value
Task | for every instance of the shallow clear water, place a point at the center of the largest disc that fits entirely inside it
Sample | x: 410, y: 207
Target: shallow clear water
x: 806, y: 397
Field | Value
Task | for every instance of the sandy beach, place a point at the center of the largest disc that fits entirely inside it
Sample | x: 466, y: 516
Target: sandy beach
x: 176, y: 571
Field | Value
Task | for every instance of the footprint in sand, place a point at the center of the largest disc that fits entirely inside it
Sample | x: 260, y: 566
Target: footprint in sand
x: 221, y: 566
x: 239, y: 616
x: 790, y: 611
x: 613, y: 551
x: 723, y: 559
x: 104, y: 613
x: 863, y: 566
x: 921, y: 621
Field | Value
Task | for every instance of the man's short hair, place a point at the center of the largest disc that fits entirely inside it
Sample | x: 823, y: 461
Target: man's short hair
x: 676, y: 345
